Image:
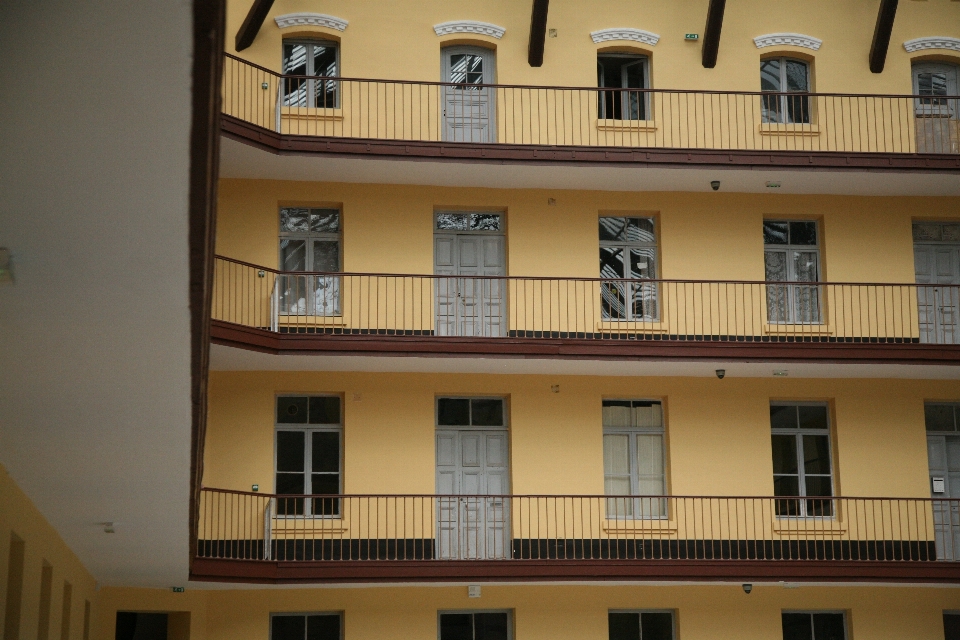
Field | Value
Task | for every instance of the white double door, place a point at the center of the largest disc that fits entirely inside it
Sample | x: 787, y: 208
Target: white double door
x: 943, y: 453
x: 473, y: 484
x: 469, y: 107
x: 938, y: 264
x: 468, y: 305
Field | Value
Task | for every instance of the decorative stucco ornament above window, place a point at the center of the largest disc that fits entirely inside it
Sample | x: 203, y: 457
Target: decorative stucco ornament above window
x: 788, y: 39
x: 625, y: 33
x: 933, y: 42
x: 469, y: 26
x: 310, y: 20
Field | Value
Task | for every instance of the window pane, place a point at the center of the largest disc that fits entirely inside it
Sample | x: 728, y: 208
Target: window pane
x: 292, y: 410
x: 325, y: 484
x: 453, y: 411
x: 649, y: 487
x: 816, y: 454
x: 484, y: 222
x: 490, y: 626
x: 770, y: 75
x: 456, y: 626
x: 804, y: 233
x: 487, y: 412
x: 650, y: 455
x: 648, y: 414
x: 783, y: 416
x: 775, y: 232
x: 818, y: 486
x: 325, y: 410
x: 617, y: 413
x: 325, y: 220
x: 287, y: 628
x: 656, y: 626
x: 324, y: 61
x: 616, y: 455
x: 294, y: 219
x: 812, y: 417
x: 293, y: 255
x: 326, y: 256
x: 640, y: 230
x: 828, y: 626
x: 932, y: 84
x: 797, y: 626
x: 951, y: 626
x: 643, y: 263
x: 611, y: 262
x: 290, y: 484
x: 786, y: 485
x: 617, y: 486
x: 295, y: 64
x: 634, y: 75
x: 624, y: 626
x: 775, y: 269
x: 612, y: 228
x: 939, y: 417
x: 466, y: 69
x: 290, y: 450
x: 784, y: 454
x: 325, y: 627
x: 452, y: 221
x: 926, y: 231
x: 797, y: 76
x: 326, y: 451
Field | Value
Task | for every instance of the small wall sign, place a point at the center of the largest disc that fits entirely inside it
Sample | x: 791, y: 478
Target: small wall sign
x: 691, y: 36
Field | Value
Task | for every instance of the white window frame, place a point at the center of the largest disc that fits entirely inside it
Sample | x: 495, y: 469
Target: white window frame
x: 509, y: 613
x: 672, y: 612
x: 309, y: 285
x: 625, y: 97
x: 295, y: 614
x: 651, y: 289
x: 791, y: 287
x: 798, y: 433
x: 782, y: 113
x: 308, y: 430
x: 637, y: 506
x: 311, y: 88
x: 812, y: 612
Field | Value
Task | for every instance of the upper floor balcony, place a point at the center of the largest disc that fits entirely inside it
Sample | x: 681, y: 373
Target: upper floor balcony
x: 367, y: 313
x: 472, y: 121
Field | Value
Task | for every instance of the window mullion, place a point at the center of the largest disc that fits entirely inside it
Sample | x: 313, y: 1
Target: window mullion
x: 308, y: 469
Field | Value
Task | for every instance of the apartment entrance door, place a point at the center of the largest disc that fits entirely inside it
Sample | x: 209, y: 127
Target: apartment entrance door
x: 469, y: 107
x: 936, y: 253
x: 468, y: 245
x: 936, y: 107
x: 943, y: 453
x: 473, y: 479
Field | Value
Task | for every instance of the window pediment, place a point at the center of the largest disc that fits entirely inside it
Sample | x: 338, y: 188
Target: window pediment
x: 469, y: 26
x: 789, y: 39
x: 311, y: 20
x: 625, y: 33
x: 932, y: 42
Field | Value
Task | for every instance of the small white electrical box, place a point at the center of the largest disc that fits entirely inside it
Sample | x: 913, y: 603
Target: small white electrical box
x: 473, y: 591
x: 939, y: 485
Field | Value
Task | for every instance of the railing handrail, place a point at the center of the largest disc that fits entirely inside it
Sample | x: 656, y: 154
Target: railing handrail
x: 574, y: 278
x: 597, y: 89
x: 585, y: 496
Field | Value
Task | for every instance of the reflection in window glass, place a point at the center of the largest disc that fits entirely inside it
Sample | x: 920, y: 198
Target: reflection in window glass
x: 791, y: 254
x: 304, y: 61
x: 628, y: 250
x: 784, y: 76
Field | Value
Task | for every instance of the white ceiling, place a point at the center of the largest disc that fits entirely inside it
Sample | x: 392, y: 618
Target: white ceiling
x: 239, y: 160
x: 94, y: 335
x: 224, y: 358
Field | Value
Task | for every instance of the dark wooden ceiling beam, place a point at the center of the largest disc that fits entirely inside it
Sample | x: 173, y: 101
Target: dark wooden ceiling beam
x: 538, y: 33
x: 881, y: 35
x: 252, y: 23
x: 711, y: 33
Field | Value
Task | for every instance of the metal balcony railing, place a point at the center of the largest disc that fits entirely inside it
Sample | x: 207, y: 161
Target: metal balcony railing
x: 494, y: 307
x: 239, y: 525
x: 589, y: 116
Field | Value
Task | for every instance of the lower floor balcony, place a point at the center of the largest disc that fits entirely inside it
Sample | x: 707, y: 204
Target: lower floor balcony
x: 288, y: 312
x: 258, y: 537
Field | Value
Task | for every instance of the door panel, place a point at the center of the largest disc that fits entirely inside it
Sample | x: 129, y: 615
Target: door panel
x: 944, y: 462
x: 467, y: 305
x: 469, y: 110
x: 938, y: 305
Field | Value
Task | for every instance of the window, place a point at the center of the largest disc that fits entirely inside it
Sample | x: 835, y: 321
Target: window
x: 476, y: 625
x: 941, y: 416
x: 306, y: 626
x: 633, y: 460
x: 801, y: 458
x: 813, y: 626
x: 783, y: 76
x: 791, y: 253
x: 475, y: 222
x: 617, y: 74
x: 951, y: 625
x: 310, y: 242
x: 640, y: 625
x: 628, y: 255
x: 306, y: 60
x: 470, y: 412
x: 308, y: 454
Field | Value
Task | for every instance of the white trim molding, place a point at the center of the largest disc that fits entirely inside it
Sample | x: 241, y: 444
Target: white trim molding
x: 790, y: 39
x: 310, y: 20
x: 625, y: 33
x: 469, y: 26
x: 932, y: 42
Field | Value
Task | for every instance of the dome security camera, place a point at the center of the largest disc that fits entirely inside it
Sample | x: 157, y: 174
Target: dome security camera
x: 720, y: 373
x: 715, y: 185
x: 747, y: 588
